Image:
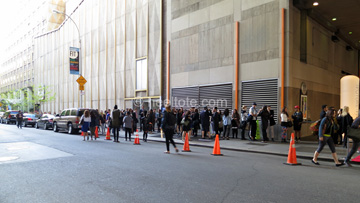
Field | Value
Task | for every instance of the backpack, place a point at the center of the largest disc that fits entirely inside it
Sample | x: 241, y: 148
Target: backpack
x: 315, y: 126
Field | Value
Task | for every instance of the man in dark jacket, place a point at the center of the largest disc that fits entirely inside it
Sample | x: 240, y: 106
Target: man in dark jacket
x: 116, y: 123
x: 205, y: 122
x: 19, y: 119
x: 298, y: 119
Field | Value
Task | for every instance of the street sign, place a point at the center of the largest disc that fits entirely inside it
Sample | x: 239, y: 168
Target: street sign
x: 82, y: 92
x: 81, y: 87
x: 81, y: 80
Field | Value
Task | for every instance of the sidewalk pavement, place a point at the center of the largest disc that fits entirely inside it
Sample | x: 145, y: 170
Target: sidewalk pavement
x: 304, y: 149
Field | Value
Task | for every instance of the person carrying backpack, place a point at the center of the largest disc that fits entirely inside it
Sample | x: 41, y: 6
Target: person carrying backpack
x: 168, y: 126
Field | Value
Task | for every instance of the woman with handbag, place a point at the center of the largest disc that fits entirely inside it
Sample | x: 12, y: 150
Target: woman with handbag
x: 186, y: 125
x: 284, y: 123
x: 326, y: 128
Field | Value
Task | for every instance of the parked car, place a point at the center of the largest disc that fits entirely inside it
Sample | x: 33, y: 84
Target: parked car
x: 69, y: 120
x: 29, y: 119
x: 45, y: 121
x: 9, y: 117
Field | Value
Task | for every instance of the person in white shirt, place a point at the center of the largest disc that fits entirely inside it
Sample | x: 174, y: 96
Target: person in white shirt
x: 284, y: 123
x: 85, y: 123
x: 253, y: 112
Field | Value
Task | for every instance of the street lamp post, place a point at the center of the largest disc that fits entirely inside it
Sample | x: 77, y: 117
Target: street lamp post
x: 58, y: 12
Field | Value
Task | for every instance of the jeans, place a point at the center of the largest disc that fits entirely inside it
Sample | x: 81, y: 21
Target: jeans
x: 329, y: 141
x: 116, y: 133
x: 227, y: 129
x: 353, y: 150
x: 19, y: 124
x: 128, y: 130
x: 243, y: 126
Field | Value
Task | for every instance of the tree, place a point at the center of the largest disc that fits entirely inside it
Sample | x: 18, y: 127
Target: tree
x: 27, y: 98
x: 38, y: 95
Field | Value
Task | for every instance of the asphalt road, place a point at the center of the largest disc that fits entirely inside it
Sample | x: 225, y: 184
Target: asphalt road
x: 43, y: 166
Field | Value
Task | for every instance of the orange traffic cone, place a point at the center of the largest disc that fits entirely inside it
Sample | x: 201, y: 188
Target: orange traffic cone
x: 108, y: 135
x: 216, y: 151
x: 292, y: 152
x: 186, y: 147
x: 96, y: 132
x: 137, y: 140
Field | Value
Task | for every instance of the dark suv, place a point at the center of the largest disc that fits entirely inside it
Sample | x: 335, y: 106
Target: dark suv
x: 9, y: 117
x: 68, y: 120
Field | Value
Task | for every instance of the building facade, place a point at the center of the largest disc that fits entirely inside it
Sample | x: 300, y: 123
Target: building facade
x: 224, y: 53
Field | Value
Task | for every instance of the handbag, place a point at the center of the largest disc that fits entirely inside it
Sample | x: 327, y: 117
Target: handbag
x: 289, y: 124
x: 353, y: 133
x: 82, y: 121
x: 249, y: 118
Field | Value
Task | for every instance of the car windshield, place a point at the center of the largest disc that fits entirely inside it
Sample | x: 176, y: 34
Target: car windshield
x: 13, y: 112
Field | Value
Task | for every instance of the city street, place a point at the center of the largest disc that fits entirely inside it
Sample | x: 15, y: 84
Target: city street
x: 43, y: 166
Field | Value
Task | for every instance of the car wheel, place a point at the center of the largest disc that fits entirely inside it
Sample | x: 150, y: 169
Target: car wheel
x: 7, y: 122
x: 36, y: 126
x: 55, y: 128
x: 70, y: 128
x: 23, y: 124
x: 45, y: 126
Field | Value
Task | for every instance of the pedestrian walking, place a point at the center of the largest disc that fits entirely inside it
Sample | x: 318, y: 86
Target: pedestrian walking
x: 284, y: 124
x: 19, y: 119
x: 297, y: 120
x: 327, y: 126
x: 324, y: 110
x: 356, y: 143
x: 92, y: 124
x: 253, y: 112
x: 347, y: 120
x: 168, y: 126
x: 227, y: 123
x: 272, y: 123
x: 265, y: 116
x: 115, y: 116
x: 128, y: 125
x: 243, y: 116
x: 85, y: 120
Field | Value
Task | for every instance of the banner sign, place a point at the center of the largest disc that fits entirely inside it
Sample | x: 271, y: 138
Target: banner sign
x: 74, y: 60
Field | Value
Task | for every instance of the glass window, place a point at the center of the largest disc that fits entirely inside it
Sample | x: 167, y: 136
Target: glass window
x: 67, y: 113
x: 73, y: 112
x: 141, y: 74
x: 63, y: 113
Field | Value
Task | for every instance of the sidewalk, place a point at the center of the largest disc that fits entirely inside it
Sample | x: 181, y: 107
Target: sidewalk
x: 304, y: 149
